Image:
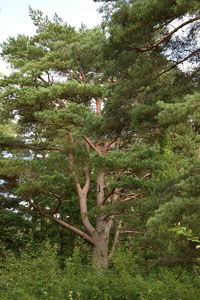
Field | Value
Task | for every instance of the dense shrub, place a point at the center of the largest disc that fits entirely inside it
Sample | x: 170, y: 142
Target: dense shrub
x: 37, y: 276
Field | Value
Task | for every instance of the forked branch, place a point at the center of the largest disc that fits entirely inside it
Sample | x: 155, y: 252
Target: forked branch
x: 90, y: 143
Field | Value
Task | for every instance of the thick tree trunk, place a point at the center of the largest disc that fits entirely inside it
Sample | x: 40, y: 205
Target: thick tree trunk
x: 100, y: 250
x: 101, y: 242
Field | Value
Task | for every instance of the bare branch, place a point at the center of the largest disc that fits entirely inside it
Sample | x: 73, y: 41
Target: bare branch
x: 50, y: 78
x: 108, y: 195
x: 108, y: 144
x: 28, y: 210
x: 164, y: 24
x: 90, y: 143
x: 82, y: 195
x: 55, y: 209
x: 87, y: 180
x: 42, y: 79
x: 168, y: 36
x: 132, y: 197
x: 115, y: 191
x: 179, y: 62
x: 70, y: 227
x: 98, y: 106
x: 82, y: 192
x: 62, y: 223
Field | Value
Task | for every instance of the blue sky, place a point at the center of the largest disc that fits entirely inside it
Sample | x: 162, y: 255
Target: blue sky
x: 14, y: 16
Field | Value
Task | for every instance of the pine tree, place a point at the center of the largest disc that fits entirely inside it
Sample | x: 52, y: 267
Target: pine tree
x: 62, y: 161
x: 90, y: 110
x: 152, y: 52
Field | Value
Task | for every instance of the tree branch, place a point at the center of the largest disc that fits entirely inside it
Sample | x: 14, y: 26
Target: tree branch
x: 108, y: 195
x: 81, y: 192
x: 87, y: 180
x: 44, y: 148
x: 168, y: 36
x: 42, y: 79
x: 62, y: 223
x: 116, y: 238
x: 179, y: 62
x: 116, y: 191
x: 11, y: 179
x: 82, y: 195
x: 132, y: 197
x: 132, y: 231
x: 90, y: 143
x: 108, y: 144
x: 18, y: 144
x: 55, y: 208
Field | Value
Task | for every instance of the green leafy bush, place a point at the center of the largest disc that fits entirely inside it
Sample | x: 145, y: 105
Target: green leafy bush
x: 37, y: 276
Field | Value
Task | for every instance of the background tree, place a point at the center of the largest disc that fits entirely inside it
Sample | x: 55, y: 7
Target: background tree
x: 147, y: 44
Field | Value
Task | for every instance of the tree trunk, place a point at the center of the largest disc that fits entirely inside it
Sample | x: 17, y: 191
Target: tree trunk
x: 101, y: 242
x: 100, y: 250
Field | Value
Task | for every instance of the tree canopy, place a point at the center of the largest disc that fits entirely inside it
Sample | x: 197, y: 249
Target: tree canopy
x: 99, y: 135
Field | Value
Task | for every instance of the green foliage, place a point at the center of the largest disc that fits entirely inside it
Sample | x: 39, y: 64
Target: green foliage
x: 36, y: 275
x: 182, y: 230
x: 150, y: 117
x: 33, y: 275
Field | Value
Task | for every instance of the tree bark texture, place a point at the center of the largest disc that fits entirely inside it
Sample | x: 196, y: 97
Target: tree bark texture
x: 101, y: 243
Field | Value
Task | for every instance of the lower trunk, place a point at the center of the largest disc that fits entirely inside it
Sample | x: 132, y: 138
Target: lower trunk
x: 101, y: 241
x: 100, y: 250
